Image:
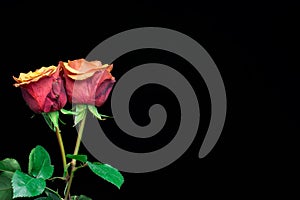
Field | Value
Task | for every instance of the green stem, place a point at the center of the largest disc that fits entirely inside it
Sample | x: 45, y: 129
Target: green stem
x: 73, y: 162
x: 78, y: 141
x: 82, y: 166
x: 62, y: 148
x: 69, y: 185
x: 54, y: 178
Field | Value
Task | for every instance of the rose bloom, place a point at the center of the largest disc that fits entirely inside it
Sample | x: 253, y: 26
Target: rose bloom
x: 43, y: 90
x: 87, y: 82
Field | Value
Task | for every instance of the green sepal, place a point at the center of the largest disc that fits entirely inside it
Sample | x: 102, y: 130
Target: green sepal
x: 68, y: 112
x: 52, y: 119
x: 107, y: 172
x: 95, y: 112
x: 81, y: 110
x: 61, y: 121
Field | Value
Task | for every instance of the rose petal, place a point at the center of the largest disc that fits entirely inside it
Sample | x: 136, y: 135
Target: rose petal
x: 26, y: 78
x: 81, y: 76
x: 81, y: 67
x: 87, y: 74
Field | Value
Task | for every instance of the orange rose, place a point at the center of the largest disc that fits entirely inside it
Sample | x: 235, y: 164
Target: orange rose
x: 93, y: 81
x: 43, y: 90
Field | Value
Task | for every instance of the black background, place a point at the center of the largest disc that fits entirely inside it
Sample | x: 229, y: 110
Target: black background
x: 252, y: 43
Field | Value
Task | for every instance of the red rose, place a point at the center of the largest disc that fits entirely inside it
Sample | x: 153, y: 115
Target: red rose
x: 87, y: 82
x: 43, y: 90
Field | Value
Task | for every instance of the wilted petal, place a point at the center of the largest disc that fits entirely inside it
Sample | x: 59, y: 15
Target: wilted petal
x: 26, y: 78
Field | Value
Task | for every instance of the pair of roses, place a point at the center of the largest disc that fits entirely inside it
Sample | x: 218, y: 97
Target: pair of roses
x: 49, y: 88
x: 85, y: 84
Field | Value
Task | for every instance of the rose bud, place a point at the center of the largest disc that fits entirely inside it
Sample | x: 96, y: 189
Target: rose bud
x: 87, y: 82
x: 43, y: 90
